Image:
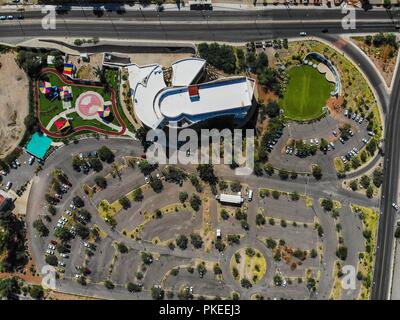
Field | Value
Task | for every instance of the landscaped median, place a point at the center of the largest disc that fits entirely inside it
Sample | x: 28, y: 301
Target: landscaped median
x: 366, y: 261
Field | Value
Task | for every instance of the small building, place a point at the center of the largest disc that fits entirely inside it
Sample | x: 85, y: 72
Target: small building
x: 38, y: 145
x: 234, y: 199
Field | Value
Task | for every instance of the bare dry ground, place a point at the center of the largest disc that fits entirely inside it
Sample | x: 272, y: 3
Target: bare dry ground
x: 13, y: 103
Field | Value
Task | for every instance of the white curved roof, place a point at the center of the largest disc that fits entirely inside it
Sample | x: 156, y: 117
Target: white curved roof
x: 227, y: 94
x: 184, y: 71
x: 154, y: 102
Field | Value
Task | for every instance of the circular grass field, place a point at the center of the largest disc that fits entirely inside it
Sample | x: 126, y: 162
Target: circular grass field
x: 306, y: 94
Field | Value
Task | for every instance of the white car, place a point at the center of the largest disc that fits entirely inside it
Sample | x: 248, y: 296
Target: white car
x: 31, y: 160
x: 146, y: 179
x: 61, y: 264
x: 10, y: 17
x: 51, y: 247
x: 303, y: 33
x: 3, y: 17
x: 63, y: 255
x: 396, y: 206
x: 50, y: 252
x: 18, y: 163
x: 86, y: 245
x: 8, y: 185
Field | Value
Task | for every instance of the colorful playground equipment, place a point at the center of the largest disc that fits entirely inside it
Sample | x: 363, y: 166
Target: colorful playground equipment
x: 68, y: 69
x: 104, y: 111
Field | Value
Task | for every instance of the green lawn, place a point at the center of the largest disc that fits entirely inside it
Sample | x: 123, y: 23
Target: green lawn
x: 306, y: 94
x: 49, y: 109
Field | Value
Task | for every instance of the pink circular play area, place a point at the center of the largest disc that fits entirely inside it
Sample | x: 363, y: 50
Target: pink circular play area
x: 88, y: 103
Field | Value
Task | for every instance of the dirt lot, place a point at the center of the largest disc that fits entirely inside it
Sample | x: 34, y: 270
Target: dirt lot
x: 86, y: 70
x: 14, y: 103
x: 165, y: 59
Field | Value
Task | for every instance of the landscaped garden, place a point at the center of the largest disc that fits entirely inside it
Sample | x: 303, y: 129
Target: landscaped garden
x: 54, y: 107
x: 306, y: 93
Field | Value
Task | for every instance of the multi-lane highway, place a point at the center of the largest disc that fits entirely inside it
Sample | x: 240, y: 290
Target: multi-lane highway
x: 383, y: 265
x: 196, y: 25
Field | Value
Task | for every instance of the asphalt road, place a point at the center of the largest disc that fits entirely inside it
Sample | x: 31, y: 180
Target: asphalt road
x: 235, y: 26
x: 383, y: 266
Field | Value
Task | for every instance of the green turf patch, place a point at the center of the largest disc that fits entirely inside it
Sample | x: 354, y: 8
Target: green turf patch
x: 306, y: 94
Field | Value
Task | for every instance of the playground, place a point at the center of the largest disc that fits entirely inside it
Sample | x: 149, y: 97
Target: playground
x: 65, y: 107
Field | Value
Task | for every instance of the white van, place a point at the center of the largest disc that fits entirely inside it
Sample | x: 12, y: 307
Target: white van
x: 250, y: 195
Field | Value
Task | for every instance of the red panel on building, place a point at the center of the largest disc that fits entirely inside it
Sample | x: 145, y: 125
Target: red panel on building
x: 193, y: 91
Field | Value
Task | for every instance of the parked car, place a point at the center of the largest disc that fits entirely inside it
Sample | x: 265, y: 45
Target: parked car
x: 8, y: 185
x: 396, y: 206
x: 31, y: 160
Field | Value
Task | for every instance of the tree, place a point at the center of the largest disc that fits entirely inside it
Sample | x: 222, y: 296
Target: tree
x: 78, y: 202
x: 196, y: 240
x: 397, y: 232
x: 101, y: 182
x: 217, y: 269
x: 233, y: 239
x: 137, y: 195
x: 341, y: 253
x: 36, y: 292
x: 105, y: 154
x: 354, y: 185
x: 96, y: 164
x: 272, y: 109
x: 269, y: 169
x: 220, y: 245
x: 63, y: 234
x: 201, y: 269
x: 125, y: 202
x: 260, y: 219
x: 133, y: 287
x: 271, y: 243
x: 195, y: 202
x: 146, y: 167
x: 41, y: 228
x: 224, y: 214
x: 365, y: 181
x: 51, y: 260
x: 275, y: 194
x: 317, y: 172
x: 327, y: 204
x: 109, y: 285
x: 182, y: 242
x: 294, y: 196
x: 245, y: 283
x: 377, y: 177
x: 157, y: 293
x: 369, y: 192
x: 323, y: 145
x: 156, y: 184
x: 122, y: 248
x: 283, y: 174
x: 147, y: 258
x: 206, y: 173
x: 183, y: 196
x: 9, y: 288
x: 82, y: 231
